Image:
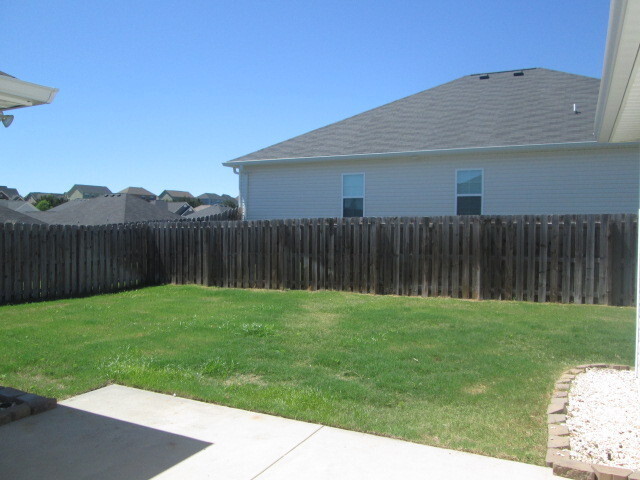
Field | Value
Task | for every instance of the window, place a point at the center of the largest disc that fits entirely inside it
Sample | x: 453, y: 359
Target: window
x: 353, y: 194
x: 468, y: 192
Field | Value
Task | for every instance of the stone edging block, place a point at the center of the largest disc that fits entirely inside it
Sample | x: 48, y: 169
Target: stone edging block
x: 24, y: 404
x: 557, y: 456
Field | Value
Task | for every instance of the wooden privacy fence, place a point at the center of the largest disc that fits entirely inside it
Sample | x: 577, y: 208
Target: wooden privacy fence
x: 43, y: 261
x: 570, y: 258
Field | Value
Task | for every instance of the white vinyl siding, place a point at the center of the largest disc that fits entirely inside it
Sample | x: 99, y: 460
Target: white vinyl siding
x: 569, y: 181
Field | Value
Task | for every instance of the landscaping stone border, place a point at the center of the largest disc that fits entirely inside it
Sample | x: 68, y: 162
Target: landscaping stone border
x: 557, y: 457
x: 23, y: 404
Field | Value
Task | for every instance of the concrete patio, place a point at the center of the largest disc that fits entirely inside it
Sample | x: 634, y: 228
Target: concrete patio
x: 119, y: 432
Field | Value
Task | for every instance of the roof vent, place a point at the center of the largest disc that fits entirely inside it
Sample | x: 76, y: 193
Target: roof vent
x: 518, y: 74
x: 575, y: 109
x: 484, y: 77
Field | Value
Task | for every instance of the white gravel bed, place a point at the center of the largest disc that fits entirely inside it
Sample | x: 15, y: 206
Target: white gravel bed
x: 604, y: 418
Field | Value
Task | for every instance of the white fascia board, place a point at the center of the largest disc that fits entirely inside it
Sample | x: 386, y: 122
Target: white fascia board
x: 621, y: 66
x: 428, y: 153
x: 16, y: 93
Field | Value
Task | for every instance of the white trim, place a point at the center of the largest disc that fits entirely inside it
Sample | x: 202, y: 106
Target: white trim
x: 637, y: 360
x: 455, y: 189
x: 621, y: 64
x: 437, y: 152
x: 364, y: 192
x: 24, y: 94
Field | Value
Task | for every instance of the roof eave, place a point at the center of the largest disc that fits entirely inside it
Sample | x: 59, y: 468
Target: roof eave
x: 16, y: 93
x: 425, y: 153
x: 620, y: 75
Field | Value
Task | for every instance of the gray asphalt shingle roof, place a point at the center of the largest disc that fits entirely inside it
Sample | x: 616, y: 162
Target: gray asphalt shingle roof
x: 12, y: 216
x: 137, y: 191
x: 103, y: 210
x: 503, y: 109
x: 209, y: 196
x: 207, y: 211
x: 11, y: 193
x: 91, y: 189
x: 18, y: 206
x: 177, y: 194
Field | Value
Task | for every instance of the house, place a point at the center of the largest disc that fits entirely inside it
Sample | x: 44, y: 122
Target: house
x: 174, y: 196
x: 18, y: 206
x: 511, y: 142
x: 103, y: 210
x: 86, y: 191
x: 7, y: 193
x: 215, y: 199
x: 210, y: 198
x: 143, y: 193
x: 35, y: 197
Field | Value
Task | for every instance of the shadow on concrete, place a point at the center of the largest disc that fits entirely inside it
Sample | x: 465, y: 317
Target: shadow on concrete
x: 66, y: 443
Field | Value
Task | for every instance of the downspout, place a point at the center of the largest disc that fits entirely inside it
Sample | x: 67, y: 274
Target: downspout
x: 239, y: 170
x: 637, y: 363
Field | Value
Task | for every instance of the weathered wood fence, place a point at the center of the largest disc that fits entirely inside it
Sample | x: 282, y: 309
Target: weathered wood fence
x: 570, y: 258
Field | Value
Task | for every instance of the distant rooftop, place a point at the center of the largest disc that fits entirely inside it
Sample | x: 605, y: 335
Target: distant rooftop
x: 103, y: 210
x: 137, y: 191
x: 90, y: 189
x: 177, y: 193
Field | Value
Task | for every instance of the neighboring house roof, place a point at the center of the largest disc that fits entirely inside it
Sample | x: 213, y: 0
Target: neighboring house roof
x: 209, y: 210
x: 105, y: 209
x: 12, y: 216
x: 37, y: 196
x: 18, y: 206
x: 179, y: 208
x: 176, y: 194
x: 210, y: 196
x: 90, y: 189
x: 10, y: 193
x: 137, y: 191
x: 516, y: 107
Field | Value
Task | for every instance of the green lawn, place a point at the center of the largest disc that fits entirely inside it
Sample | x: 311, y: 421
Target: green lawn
x: 473, y: 376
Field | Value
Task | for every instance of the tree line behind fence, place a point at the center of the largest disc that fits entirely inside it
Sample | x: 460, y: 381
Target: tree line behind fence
x: 568, y: 258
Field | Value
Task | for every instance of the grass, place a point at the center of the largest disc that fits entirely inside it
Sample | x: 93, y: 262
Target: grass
x: 474, y: 376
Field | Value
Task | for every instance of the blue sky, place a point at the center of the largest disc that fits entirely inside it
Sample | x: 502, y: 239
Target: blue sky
x: 159, y: 93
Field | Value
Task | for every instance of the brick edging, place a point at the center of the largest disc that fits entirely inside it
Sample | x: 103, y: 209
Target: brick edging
x: 25, y: 404
x: 560, y: 460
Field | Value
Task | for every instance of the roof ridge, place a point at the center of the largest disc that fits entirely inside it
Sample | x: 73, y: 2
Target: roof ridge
x: 507, y: 71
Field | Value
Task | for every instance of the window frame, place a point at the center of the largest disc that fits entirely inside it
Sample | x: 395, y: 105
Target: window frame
x: 456, y: 194
x: 342, y: 197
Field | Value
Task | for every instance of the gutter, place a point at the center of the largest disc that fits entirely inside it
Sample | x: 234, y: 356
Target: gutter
x: 24, y: 94
x: 430, y: 153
